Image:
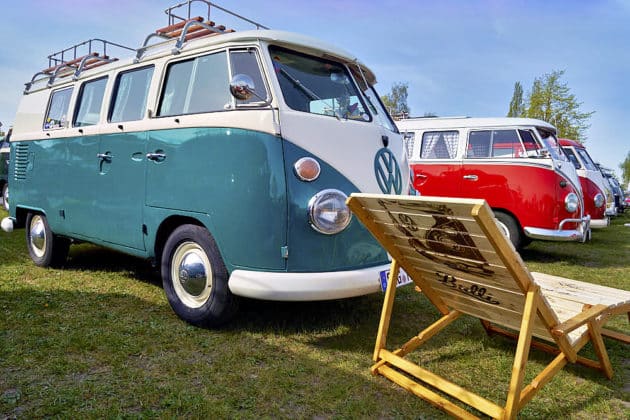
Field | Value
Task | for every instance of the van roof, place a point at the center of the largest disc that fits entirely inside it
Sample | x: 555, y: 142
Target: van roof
x: 569, y: 142
x: 291, y: 40
x: 467, y: 122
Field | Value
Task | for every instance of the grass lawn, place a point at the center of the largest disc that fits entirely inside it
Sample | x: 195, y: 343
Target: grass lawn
x: 98, y: 339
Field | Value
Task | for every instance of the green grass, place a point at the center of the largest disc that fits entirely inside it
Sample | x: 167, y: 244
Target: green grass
x: 98, y: 339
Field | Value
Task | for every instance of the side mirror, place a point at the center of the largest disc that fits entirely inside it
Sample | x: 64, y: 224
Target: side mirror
x: 242, y: 87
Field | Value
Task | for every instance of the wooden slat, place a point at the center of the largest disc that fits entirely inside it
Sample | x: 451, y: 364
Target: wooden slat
x: 165, y: 30
x: 425, y: 393
x: 69, y: 63
x: 579, y: 291
x: 448, y: 387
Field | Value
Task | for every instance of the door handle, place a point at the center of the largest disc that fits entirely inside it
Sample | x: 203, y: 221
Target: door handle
x: 420, y: 176
x: 471, y: 177
x: 156, y: 157
x: 106, y: 157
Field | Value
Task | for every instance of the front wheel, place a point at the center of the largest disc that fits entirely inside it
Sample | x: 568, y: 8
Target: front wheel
x: 195, y: 278
x: 45, y: 248
x: 510, y: 228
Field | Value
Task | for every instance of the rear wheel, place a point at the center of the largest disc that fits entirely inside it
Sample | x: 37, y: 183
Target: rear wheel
x: 45, y: 248
x: 195, y: 278
x: 510, y: 228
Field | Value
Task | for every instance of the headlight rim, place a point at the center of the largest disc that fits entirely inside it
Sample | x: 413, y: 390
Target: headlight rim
x: 312, y: 207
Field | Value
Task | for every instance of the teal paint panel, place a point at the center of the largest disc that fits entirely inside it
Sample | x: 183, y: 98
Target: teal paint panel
x: 311, y: 251
x: 236, y: 178
x: 120, y: 186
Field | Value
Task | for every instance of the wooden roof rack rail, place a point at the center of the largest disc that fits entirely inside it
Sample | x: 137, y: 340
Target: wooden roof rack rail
x: 186, y: 28
x: 76, y: 59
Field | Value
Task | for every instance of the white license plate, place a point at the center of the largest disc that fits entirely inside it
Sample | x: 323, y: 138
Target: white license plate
x: 403, y: 279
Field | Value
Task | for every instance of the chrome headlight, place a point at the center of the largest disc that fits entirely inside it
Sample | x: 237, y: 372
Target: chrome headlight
x: 328, y: 213
x: 571, y: 202
x: 599, y: 200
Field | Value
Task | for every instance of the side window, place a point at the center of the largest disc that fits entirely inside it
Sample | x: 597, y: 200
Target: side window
x: 246, y: 62
x: 130, y: 95
x: 439, y: 145
x: 529, y: 141
x: 57, y: 113
x: 409, y: 137
x: 195, y: 86
x: 506, y: 144
x: 494, y: 143
x: 479, y: 144
x: 89, y: 103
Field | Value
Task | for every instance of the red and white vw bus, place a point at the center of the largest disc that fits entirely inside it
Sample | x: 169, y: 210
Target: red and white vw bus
x: 596, y: 193
x: 515, y: 164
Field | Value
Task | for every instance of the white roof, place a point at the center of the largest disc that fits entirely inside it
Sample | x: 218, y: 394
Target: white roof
x: 290, y: 40
x: 467, y: 122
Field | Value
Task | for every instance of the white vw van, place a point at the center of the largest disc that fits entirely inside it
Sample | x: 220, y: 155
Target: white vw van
x: 226, y: 157
x: 515, y: 164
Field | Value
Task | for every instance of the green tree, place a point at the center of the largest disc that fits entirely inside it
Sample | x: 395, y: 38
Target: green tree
x: 517, y: 104
x: 625, y: 172
x: 396, y: 100
x: 551, y: 100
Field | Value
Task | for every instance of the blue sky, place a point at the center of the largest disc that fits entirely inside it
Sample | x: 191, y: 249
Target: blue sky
x: 458, y: 57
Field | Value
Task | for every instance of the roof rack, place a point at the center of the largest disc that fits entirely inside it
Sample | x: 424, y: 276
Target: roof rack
x: 185, y: 28
x: 76, y: 59
x: 93, y: 52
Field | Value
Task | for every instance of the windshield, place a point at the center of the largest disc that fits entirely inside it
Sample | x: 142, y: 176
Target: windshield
x: 550, y: 143
x: 586, y: 160
x: 317, y: 86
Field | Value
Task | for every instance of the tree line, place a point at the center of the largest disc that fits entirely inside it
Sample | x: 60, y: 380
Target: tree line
x: 549, y: 99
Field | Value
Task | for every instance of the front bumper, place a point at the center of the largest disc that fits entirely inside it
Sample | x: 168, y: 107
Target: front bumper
x: 600, y: 223
x: 582, y: 233
x: 283, y: 286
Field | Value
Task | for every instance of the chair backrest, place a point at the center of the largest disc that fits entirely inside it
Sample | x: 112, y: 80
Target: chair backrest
x: 454, y: 251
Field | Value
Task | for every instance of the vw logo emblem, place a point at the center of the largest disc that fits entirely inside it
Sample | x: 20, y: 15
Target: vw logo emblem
x: 387, y: 172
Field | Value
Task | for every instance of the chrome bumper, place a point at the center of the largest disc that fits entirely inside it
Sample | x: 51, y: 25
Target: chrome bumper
x: 582, y: 233
x: 600, y: 223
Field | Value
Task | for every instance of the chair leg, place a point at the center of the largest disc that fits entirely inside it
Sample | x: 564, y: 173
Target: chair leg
x: 512, y: 404
x: 595, y: 332
x: 388, y: 305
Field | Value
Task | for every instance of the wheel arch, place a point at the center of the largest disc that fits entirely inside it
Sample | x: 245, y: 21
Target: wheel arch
x: 167, y: 227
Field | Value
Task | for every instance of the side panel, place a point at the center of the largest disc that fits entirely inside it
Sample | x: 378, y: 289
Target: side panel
x: 532, y: 193
x: 437, y: 178
x: 311, y: 251
x: 235, y: 178
x: 119, y: 187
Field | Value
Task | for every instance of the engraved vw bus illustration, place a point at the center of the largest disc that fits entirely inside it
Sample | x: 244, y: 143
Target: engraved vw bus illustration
x: 224, y: 156
x: 515, y: 164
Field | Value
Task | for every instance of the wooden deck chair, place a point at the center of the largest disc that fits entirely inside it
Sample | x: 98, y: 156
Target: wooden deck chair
x: 454, y: 252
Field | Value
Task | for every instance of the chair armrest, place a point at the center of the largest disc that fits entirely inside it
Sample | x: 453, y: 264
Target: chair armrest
x: 578, y: 320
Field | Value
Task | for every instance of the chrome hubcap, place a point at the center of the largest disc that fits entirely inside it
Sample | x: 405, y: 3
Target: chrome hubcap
x: 191, y: 273
x: 38, y: 236
x: 504, y: 230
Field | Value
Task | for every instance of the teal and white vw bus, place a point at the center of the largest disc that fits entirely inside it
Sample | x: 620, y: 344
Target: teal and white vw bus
x: 225, y: 157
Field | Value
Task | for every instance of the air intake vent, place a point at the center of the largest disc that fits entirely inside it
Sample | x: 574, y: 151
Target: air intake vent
x: 21, y: 161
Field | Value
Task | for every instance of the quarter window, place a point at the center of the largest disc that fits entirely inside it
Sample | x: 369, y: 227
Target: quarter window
x: 246, y: 62
x: 195, y: 86
x: 439, y: 145
x: 57, y: 114
x: 89, y: 103
x: 494, y: 143
x: 130, y: 95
